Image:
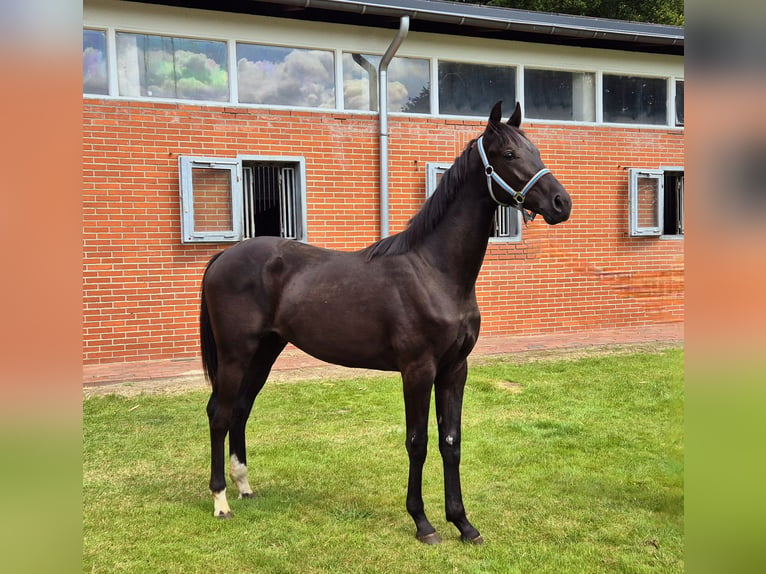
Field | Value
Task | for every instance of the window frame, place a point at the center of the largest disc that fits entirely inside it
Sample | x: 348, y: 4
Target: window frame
x: 121, y: 90
x: 107, y: 61
x: 237, y: 97
x: 669, y: 111
x: 680, y: 219
x: 298, y: 193
x: 592, y: 96
x: 677, y: 122
x: 236, y: 196
x: 659, y: 175
x: 188, y: 232
x: 516, y: 69
x: 434, y: 168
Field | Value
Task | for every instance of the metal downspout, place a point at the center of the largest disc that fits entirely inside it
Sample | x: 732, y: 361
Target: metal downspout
x: 404, y: 26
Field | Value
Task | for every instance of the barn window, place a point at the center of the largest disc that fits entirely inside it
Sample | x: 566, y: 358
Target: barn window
x: 227, y: 200
x: 171, y: 67
x: 507, y: 224
x: 679, y: 102
x: 656, y: 202
x: 94, y: 76
x: 274, y: 75
x: 635, y: 100
x: 472, y: 89
x: 408, y: 84
x: 559, y: 95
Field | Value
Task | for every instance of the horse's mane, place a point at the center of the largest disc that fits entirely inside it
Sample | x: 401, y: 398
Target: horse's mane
x: 432, y: 212
x: 429, y: 216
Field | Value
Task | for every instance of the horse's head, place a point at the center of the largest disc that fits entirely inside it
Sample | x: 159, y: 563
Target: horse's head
x: 516, y: 175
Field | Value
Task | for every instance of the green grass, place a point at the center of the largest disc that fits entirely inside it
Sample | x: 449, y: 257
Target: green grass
x: 575, y: 467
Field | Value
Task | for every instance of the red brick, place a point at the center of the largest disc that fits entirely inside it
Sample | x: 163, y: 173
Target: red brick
x: 141, y: 285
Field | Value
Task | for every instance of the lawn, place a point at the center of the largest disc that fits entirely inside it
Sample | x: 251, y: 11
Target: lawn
x: 569, y: 466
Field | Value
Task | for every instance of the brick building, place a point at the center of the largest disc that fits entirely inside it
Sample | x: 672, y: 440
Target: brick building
x: 207, y: 122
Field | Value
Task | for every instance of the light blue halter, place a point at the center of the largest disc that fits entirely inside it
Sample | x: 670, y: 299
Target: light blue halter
x: 518, y: 196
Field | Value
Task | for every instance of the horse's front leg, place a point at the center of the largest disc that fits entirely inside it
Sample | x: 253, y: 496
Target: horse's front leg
x: 418, y: 382
x: 449, y: 405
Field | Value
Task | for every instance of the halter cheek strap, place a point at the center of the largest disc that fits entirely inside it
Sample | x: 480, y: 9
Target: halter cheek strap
x: 518, y: 196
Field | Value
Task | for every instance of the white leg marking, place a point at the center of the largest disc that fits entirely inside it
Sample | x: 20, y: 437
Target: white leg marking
x: 238, y: 473
x: 221, y: 505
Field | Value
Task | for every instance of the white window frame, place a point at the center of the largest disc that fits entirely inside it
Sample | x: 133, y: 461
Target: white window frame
x: 635, y: 175
x: 295, y: 207
x: 433, y: 169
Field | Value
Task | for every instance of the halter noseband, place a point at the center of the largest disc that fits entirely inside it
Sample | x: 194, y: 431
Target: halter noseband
x: 518, y: 196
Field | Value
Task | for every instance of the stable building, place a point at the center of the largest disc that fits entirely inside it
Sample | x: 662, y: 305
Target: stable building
x: 205, y: 123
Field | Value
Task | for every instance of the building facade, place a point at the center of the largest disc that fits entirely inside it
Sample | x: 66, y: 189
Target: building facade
x: 202, y: 127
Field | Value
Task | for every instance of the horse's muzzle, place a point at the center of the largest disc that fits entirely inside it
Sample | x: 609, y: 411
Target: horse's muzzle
x: 561, y: 206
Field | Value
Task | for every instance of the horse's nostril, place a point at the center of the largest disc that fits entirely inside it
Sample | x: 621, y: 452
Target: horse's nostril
x: 558, y: 203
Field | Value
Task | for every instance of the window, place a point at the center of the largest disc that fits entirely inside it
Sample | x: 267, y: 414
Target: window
x: 507, y: 226
x: 94, y: 77
x: 227, y: 200
x: 408, y: 84
x: 679, y: 102
x: 559, y: 95
x: 271, y: 199
x: 635, y: 100
x: 168, y: 67
x: 285, y: 76
x: 656, y: 202
x: 472, y: 89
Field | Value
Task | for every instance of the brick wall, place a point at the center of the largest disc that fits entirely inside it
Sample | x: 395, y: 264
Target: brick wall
x: 141, y: 285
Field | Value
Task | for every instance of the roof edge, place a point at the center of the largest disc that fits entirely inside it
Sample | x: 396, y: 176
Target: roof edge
x: 498, y: 18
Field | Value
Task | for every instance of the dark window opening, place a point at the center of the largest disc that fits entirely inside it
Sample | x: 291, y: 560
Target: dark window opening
x: 269, y: 199
x: 673, y: 207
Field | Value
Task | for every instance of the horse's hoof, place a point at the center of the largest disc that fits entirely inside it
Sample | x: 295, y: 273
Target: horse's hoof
x: 247, y: 495
x: 477, y: 540
x: 224, y: 515
x: 432, y: 538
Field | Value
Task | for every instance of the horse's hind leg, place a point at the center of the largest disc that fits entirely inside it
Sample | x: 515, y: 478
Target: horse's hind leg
x: 258, y: 371
x: 219, y: 411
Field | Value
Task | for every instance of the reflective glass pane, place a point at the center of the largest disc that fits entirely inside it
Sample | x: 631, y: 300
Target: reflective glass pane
x: 166, y: 67
x: 94, y: 78
x: 629, y: 99
x: 285, y: 76
x: 559, y: 95
x: 408, y: 85
x: 472, y: 89
x: 679, y: 103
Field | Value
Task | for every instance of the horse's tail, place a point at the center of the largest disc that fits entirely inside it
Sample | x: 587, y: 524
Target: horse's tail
x: 208, y: 347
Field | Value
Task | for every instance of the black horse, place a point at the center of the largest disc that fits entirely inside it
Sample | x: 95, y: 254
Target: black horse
x: 406, y: 303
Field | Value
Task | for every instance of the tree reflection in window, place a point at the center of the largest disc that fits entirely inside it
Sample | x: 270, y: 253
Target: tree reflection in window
x: 408, y: 85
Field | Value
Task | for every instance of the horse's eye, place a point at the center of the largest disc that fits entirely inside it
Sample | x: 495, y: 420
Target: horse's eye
x: 508, y: 154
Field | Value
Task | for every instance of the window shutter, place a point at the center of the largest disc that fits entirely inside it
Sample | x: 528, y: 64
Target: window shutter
x: 211, y: 199
x: 645, y: 204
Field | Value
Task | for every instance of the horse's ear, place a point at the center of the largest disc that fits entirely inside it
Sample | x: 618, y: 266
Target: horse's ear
x: 515, y: 119
x: 496, y: 115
